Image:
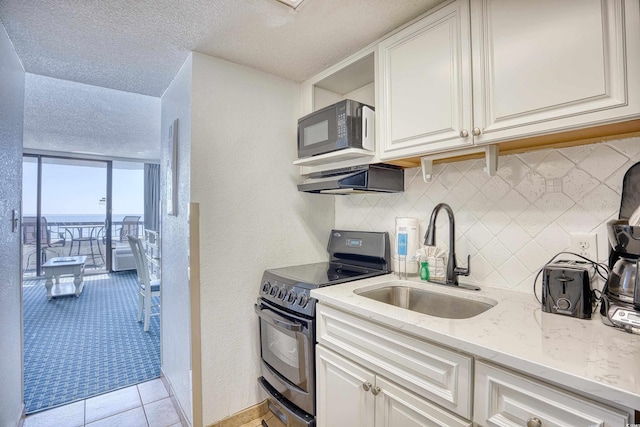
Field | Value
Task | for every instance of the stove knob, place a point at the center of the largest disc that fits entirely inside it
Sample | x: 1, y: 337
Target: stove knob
x: 265, y: 287
x: 282, y: 294
x: 303, y: 300
x: 274, y: 291
x: 291, y: 297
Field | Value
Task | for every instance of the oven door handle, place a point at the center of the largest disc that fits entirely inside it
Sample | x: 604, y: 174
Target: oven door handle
x: 278, y: 320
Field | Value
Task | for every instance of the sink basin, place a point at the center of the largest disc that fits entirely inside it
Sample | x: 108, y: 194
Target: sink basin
x: 426, y: 302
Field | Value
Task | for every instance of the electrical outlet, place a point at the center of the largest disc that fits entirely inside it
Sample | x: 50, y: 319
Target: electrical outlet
x: 585, y: 244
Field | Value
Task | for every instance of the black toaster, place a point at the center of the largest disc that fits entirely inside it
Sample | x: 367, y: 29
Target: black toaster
x: 566, y: 289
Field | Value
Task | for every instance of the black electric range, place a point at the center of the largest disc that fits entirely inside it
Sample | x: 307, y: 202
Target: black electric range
x: 354, y: 255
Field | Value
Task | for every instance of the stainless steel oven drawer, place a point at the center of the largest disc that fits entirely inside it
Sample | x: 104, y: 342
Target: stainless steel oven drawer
x: 289, y: 414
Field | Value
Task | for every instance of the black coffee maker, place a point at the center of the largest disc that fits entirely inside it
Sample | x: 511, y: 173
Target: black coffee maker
x: 621, y: 293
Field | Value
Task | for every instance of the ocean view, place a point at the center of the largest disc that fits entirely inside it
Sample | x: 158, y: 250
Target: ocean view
x: 85, y: 218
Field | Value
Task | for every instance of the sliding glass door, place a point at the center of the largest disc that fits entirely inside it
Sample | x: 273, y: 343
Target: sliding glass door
x: 127, y: 214
x: 84, y: 208
x: 70, y: 200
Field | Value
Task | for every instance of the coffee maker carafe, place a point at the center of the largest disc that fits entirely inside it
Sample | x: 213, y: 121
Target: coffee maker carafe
x: 621, y: 293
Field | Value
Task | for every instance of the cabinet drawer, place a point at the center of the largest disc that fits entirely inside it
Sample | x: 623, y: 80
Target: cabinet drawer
x: 504, y: 398
x: 440, y: 375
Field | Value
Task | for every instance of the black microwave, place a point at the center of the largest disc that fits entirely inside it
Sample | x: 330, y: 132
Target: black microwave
x: 346, y: 124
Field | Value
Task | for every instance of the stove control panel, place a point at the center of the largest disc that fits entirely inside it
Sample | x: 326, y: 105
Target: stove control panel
x: 287, y: 295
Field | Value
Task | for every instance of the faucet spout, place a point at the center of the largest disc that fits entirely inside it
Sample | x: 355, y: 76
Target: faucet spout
x: 453, y: 271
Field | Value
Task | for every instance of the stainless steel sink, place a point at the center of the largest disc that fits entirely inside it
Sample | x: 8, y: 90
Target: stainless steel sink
x: 426, y: 302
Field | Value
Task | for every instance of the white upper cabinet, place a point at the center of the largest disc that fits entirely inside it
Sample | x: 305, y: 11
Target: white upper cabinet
x: 538, y: 67
x: 547, y: 65
x: 424, y: 90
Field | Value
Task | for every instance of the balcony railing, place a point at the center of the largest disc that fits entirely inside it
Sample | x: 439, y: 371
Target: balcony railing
x: 68, y: 238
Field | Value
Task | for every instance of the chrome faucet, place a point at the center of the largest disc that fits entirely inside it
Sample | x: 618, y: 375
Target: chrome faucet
x: 453, y: 271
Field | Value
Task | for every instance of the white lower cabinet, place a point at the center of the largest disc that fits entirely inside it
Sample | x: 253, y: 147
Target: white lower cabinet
x: 372, y: 375
x: 352, y: 396
x: 504, y: 398
x: 438, y: 374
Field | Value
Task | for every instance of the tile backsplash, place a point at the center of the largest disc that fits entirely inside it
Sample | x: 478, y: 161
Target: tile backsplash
x: 514, y: 222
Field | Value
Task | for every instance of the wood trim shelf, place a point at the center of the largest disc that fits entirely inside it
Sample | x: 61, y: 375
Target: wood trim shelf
x: 571, y: 138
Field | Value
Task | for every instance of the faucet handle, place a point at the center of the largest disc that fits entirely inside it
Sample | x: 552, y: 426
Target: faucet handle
x: 459, y: 271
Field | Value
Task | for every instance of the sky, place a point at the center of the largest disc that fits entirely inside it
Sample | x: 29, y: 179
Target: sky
x: 77, y: 189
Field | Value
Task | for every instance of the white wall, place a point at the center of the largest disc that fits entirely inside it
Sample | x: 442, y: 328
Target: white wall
x: 65, y: 116
x: 175, y: 328
x: 11, y: 120
x: 513, y: 223
x: 243, y: 137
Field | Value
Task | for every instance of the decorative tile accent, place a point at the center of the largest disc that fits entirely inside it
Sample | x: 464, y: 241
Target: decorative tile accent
x: 553, y: 185
x: 513, y: 222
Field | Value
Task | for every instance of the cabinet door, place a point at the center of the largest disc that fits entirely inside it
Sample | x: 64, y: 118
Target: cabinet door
x: 424, y: 85
x: 545, y: 65
x: 396, y: 407
x: 435, y: 373
x: 341, y: 398
x: 505, y: 399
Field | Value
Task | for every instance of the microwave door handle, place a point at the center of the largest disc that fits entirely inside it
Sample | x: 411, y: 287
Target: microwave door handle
x: 278, y: 320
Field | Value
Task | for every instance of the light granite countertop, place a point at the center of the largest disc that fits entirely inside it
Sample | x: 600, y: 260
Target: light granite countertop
x: 580, y: 354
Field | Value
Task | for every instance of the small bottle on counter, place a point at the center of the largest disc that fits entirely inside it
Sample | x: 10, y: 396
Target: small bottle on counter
x: 424, y: 270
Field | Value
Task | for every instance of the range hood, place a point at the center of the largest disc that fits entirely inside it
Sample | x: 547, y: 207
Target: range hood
x: 375, y: 178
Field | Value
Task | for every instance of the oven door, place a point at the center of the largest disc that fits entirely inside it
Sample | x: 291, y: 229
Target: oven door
x: 287, y: 352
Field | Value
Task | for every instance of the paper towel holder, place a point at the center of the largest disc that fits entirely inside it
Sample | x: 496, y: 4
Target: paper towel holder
x: 491, y: 158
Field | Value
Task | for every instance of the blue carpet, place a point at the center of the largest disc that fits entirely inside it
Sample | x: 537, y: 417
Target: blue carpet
x: 75, y: 348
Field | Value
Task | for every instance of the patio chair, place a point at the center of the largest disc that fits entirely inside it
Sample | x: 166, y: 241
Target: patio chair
x: 147, y: 288
x: 129, y: 227
x: 30, y: 238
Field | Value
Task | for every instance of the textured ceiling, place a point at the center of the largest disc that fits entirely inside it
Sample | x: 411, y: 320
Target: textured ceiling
x: 139, y: 45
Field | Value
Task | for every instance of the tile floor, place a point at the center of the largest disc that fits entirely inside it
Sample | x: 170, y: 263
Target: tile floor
x: 144, y: 405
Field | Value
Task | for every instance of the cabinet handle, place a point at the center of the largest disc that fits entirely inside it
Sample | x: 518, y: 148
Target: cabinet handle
x: 534, y: 422
x: 366, y: 386
x: 464, y: 133
x: 477, y: 131
x: 375, y: 390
